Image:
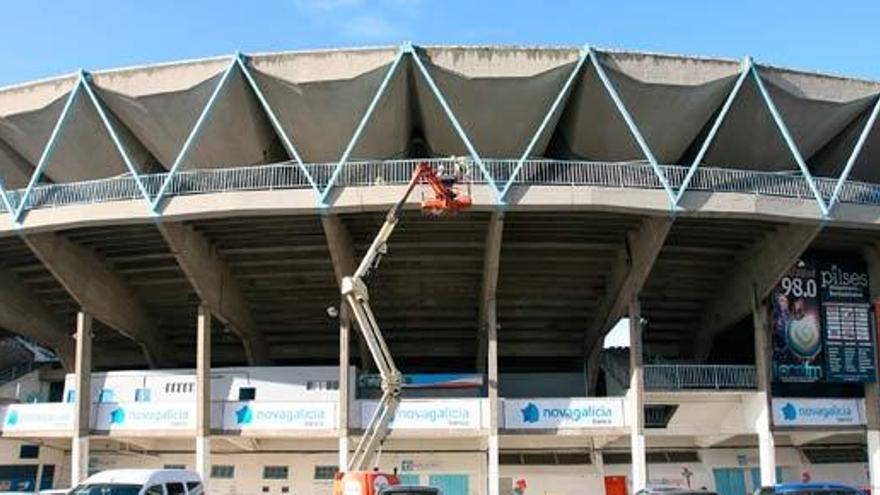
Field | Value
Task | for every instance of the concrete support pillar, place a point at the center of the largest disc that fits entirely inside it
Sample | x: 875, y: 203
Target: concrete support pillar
x: 79, y: 469
x: 344, y: 383
x: 492, y: 382
x: 766, y: 443
x: 203, y: 394
x: 637, y: 399
x: 592, y: 366
x: 872, y: 390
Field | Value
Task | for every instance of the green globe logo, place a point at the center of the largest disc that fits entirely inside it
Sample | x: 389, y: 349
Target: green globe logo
x: 803, y: 336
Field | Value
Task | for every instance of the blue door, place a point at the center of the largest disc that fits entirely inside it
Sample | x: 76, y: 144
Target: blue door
x: 47, y: 478
x: 730, y: 481
x: 450, y: 484
x: 756, y: 477
x: 16, y: 478
x: 409, y: 479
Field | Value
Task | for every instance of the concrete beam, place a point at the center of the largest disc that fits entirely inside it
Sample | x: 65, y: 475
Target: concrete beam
x: 100, y: 292
x: 754, y: 273
x: 627, y: 276
x: 216, y: 286
x: 803, y: 438
x: 244, y: 443
x: 79, y: 452
x: 342, y: 254
x: 491, y: 261
x: 203, y: 393
x: 709, y: 441
x: 23, y: 313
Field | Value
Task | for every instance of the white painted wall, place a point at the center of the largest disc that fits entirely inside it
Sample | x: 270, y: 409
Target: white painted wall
x: 249, y: 469
x: 27, y: 388
x: 272, y: 383
x: 9, y: 455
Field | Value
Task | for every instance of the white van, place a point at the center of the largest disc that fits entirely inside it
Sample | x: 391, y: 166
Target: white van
x: 141, y: 482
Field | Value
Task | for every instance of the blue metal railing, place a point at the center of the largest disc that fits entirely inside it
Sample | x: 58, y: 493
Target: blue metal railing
x: 699, y: 377
x: 290, y: 175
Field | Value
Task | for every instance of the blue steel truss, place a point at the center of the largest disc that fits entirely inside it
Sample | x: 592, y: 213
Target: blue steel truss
x: 18, y: 205
x: 322, y: 195
x: 633, y: 128
x: 193, y: 135
x: 18, y: 210
x: 854, y: 155
x: 563, y: 93
x: 789, y: 140
x: 273, y: 119
x: 744, y: 73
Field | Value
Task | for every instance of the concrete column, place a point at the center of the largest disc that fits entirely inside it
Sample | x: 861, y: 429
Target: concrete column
x: 872, y: 390
x: 637, y: 399
x: 79, y: 469
x: 492, y: 379
x: 344, y: 384
x: 203, y: 394
x: 766, y: 443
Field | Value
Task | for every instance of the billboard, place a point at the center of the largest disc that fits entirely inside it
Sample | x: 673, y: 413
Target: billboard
x: 821, y: 322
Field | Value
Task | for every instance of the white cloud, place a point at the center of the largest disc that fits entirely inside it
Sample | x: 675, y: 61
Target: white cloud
x: 363, y: 20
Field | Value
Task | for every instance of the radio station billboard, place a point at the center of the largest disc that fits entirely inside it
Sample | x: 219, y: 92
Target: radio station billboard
x: 821, y: 322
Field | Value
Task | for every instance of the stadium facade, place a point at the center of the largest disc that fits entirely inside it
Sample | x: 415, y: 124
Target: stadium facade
x: 175, y: 234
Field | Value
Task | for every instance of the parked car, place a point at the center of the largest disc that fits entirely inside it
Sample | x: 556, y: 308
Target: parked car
x: 410, y: 490
x: 672, y: 490
x: 56, y: 491
x: 141, y: 482
x: 812, y: 488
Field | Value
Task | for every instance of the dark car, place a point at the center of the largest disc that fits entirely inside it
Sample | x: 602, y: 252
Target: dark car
x: 672, y: 490
x: 410, y: 490
x: 814, y: 488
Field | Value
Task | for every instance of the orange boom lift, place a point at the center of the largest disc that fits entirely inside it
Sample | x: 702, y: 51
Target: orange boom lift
x: 359, y: 478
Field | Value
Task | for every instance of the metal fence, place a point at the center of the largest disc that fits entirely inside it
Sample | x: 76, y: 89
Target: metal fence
x: 289, y: 175
x: 695, y: 376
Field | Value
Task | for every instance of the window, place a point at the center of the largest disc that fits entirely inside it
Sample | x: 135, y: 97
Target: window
x: 71, y: 396
x: 836, y: 455
x: 275, y: 472
x: 175, y: 489
x: 326, y: 472
x: 322, y: 385
x: 142, y: 395
x: 247, y: 393
x: 223, y: 472
x: 658, y: 415
x: 174, y: 466
x: 106, y: 395
x: 29, y: 452
x: 194, y: 488
x: 115, y: 489
x: 153, y: 490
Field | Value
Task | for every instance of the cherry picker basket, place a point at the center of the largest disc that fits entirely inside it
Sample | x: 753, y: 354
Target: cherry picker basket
x: 450, y: 187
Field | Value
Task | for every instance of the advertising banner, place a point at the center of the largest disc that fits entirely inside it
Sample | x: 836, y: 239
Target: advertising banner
x: 433, y: 380
x: 146, y: 416
x: 818, y: 412
x: 846, y: 317
x: 563, y: 413
x: 796, y: 326
x: 430, y: 414
x: 279, y: 416
x: 821, y: 322
x: 36, y: 417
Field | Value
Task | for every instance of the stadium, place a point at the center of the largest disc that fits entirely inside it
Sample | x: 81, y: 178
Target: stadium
x: 174, y: 236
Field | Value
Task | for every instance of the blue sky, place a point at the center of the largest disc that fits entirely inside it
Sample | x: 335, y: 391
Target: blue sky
x: 45, y: 38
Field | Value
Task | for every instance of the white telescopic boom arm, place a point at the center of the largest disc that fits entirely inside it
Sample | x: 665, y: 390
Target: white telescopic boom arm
x: 356, y: 294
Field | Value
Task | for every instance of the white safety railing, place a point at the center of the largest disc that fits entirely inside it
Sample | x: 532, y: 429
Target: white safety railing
x: 699, y: 376
x: 289, y: 175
